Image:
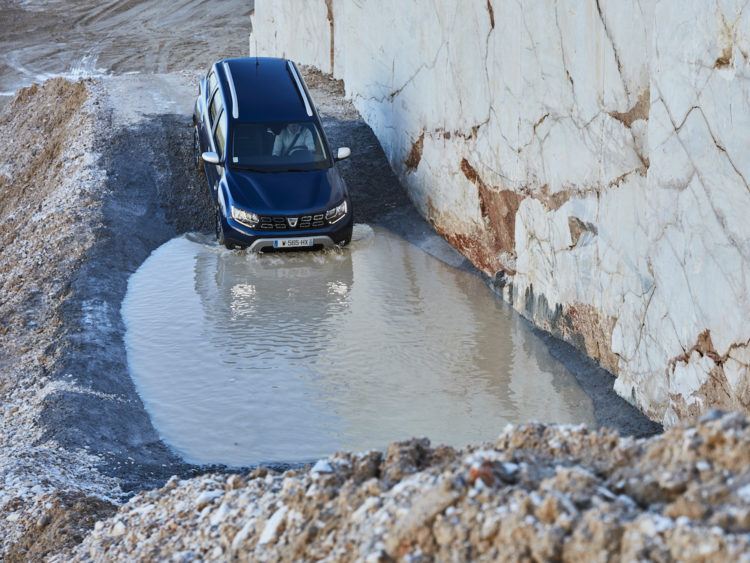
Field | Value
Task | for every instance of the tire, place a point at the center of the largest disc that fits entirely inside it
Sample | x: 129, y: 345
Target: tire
x: 197, y: 160
x: 220, y: 231
x: 347, y: 238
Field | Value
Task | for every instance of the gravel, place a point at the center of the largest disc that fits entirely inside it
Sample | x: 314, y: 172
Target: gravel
x: 539, y: 493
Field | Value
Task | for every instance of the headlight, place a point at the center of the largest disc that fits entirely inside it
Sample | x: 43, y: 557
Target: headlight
x: 245, y: 217
x: 333, y: 215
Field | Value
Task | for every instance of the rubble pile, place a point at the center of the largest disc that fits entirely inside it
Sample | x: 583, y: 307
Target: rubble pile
x: 541, y: 492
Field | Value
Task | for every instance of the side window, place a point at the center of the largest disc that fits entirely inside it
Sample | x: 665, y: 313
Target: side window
x: 212, y: 82
x: 215, y: 107
x: 220, y: 133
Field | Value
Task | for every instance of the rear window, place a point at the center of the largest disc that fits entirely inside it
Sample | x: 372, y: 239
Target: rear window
x: 278, y: 147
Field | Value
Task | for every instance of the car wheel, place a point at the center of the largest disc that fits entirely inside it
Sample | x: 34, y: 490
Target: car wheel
x: 197, y: 160
x: 220, y: 231
x: 347, y: 238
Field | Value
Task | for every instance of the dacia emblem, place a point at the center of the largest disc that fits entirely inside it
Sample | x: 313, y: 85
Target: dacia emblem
x: 292, y: 221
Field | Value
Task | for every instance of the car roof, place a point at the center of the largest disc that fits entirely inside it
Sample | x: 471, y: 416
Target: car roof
x: 266, y: 90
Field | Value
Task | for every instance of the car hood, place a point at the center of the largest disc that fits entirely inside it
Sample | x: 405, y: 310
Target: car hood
x: 286, y: 192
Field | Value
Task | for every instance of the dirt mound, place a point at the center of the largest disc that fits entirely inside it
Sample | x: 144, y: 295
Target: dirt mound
x: 540, y: 493
x: 39, y: 121
x: 49, y: 201
x: 64, y: 522
x: 40, y: 131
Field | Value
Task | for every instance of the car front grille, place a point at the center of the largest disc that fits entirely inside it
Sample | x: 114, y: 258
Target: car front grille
x: 283, y: 223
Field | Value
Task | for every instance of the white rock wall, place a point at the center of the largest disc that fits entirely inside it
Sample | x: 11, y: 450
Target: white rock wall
x: 594, y: 152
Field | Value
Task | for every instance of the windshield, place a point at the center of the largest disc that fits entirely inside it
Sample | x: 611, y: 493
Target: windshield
x: 278, y: 147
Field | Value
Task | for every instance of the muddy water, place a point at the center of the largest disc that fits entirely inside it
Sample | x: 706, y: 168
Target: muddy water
x: 76, y: 38
x: 241, y: 358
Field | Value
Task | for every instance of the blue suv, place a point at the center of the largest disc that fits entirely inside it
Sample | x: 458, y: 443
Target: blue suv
x: 270, y: 172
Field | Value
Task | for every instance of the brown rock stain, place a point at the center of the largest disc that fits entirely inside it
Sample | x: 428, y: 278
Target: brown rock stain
x: 716, y: 391
x: 704, y: 346
x: 728, y: 36
x: 492, y: 14
x: 466, y: 134
x: 577, y: 228
x: 595, y: 328
x: 470, y: 172
x: 473, y: 247
x: 498, y: 208
x: 580, y: 324
x: 639, y: 111
x: 540, y: 121
x: 415, y: 154
x: 553, y: 201
x: 329, y: 7
x: 725, y: 59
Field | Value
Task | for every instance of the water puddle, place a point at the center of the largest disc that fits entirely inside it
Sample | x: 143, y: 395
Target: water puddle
x: 243, y: 358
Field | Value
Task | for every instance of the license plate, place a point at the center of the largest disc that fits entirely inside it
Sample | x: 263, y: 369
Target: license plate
x: 292, y: 242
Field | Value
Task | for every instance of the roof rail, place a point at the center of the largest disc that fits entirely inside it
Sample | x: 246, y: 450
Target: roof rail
x: 293, y: 70
x: 235, y: 108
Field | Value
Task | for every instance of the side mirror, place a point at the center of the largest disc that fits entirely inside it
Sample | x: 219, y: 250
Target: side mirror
x: 343, y: 153
x: 211, y: 158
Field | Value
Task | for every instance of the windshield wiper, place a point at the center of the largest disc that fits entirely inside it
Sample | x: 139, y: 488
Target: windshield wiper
x: 251, y: 169
x: 271, y: 171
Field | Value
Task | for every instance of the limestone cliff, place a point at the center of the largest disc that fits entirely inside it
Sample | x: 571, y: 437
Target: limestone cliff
x: 591, y: 155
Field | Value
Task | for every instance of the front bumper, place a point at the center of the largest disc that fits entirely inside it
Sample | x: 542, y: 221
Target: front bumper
x: 269, y: 243
x: 256, y: 239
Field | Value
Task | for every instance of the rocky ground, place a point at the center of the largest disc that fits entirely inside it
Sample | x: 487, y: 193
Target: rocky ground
x: 540, y: 493
x: 85, y: 195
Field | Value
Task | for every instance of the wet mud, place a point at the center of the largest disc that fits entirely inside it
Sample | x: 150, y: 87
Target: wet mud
x: 152, y: 195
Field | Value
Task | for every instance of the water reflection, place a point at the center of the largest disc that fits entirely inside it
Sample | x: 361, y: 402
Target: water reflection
x: 242, y: 358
